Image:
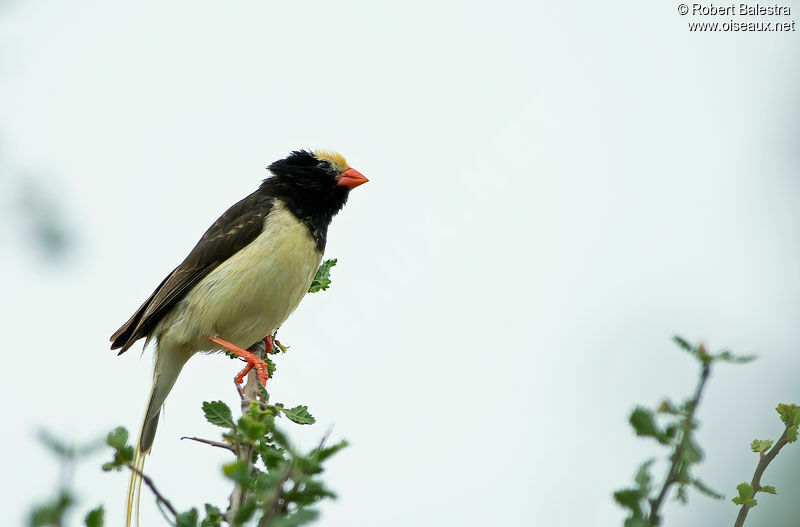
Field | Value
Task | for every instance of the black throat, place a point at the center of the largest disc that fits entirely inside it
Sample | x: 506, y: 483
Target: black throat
x: 314, y: 209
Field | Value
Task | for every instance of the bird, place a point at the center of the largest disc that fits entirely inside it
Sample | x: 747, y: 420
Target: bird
x: 242, y: 280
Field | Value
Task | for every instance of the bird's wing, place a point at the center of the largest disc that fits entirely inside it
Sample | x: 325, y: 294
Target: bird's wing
x: 236, y: 228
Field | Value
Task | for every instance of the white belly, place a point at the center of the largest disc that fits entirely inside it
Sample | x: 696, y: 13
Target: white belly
x: 249, y: 295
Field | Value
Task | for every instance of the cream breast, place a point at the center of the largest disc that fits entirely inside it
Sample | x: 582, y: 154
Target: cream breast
x: 253, y: 292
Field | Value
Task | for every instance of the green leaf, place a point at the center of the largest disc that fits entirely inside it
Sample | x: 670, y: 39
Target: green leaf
x: 786, y: 411
x: 55, y: 445
x: 795, y: 415
x: 703, y: 355
x: 251, y: 428
x: 51, y: 513
x: 271, y: 367
x: 245, y: 512
x: 699, y: 351
x: 66, y: 450
x: 691, y: 452
x: 324, y: 453
x: 187, y: 519
x: 95, y: 517
x: 322, y: 280
x: 262, y: 393
x: 727, y: 356
x: 760, y: 445
x: 683, y: 343
x: 213, y: 517
x: 258, y: 413
x: 705, y: 489
x: 269, y: 481
x: 643, y: 478
x: 117, y: 438
x: 281, y: 439
x: 237, y: 471
x: 122, y: 456
x: 298, y: 414
x: 644, y: 424
x: 666, y: 407
x: 630, y: 499
x: 790, y: 415
x: 769, y: 489
x: 271, y: 456
x: 791, y: 434
x: 126, y: 454
x: 745, y: 496
x: 671, y: 431
x: 218, y: 413
x: 312, y: 492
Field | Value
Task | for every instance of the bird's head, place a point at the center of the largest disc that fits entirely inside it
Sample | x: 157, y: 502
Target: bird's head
x: 320, y: 180
x: 320, y: 171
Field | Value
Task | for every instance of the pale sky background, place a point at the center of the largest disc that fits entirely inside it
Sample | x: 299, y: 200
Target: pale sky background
x: 555, y: 190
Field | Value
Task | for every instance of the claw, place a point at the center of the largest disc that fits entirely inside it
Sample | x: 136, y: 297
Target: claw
x: 253, y: 361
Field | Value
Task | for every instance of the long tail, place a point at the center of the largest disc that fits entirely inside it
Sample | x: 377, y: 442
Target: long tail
x: 168, y: 365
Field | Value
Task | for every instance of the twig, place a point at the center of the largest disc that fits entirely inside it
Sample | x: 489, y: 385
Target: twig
x: 324, y: 439
x: 671, y: 479
x: 217, y: 444
x: 763, y: 461
x: 151, y: 485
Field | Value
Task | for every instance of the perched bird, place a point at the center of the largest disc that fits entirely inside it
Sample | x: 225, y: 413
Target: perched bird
x: 241, y: 281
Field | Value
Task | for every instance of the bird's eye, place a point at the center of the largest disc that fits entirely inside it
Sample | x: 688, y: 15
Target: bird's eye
x: 324, y: 165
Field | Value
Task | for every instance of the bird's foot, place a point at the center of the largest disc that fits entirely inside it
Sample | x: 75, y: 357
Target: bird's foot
x: 253, y: 360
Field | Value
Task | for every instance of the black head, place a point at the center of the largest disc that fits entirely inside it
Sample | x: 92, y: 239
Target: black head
x: 314, y: 185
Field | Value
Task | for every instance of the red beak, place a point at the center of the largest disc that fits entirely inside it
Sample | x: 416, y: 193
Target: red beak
x: 351, y: 178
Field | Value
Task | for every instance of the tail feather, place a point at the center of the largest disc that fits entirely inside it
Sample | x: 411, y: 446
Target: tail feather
x: 168, y: 366
x: 135, y: 488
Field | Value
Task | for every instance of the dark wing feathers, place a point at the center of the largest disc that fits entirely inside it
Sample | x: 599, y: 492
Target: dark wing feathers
x: 239, y: 226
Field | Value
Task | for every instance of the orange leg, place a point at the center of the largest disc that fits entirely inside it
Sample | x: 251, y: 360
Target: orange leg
x: 252, y: 360
x: 268, y: 342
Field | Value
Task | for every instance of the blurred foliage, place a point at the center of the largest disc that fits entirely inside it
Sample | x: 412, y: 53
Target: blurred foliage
x: 34, y: 210
x: 42, y: 221
x: 53, y: 512
x: 767, y: 450
x: 278, y: 484
x: 673, y: 426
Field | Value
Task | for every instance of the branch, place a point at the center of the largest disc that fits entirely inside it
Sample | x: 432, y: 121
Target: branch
x: 763, y: 461
x: 151, y: 485
x: 245, y: 453
x: 672, y: 474
x: 217, y: 444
